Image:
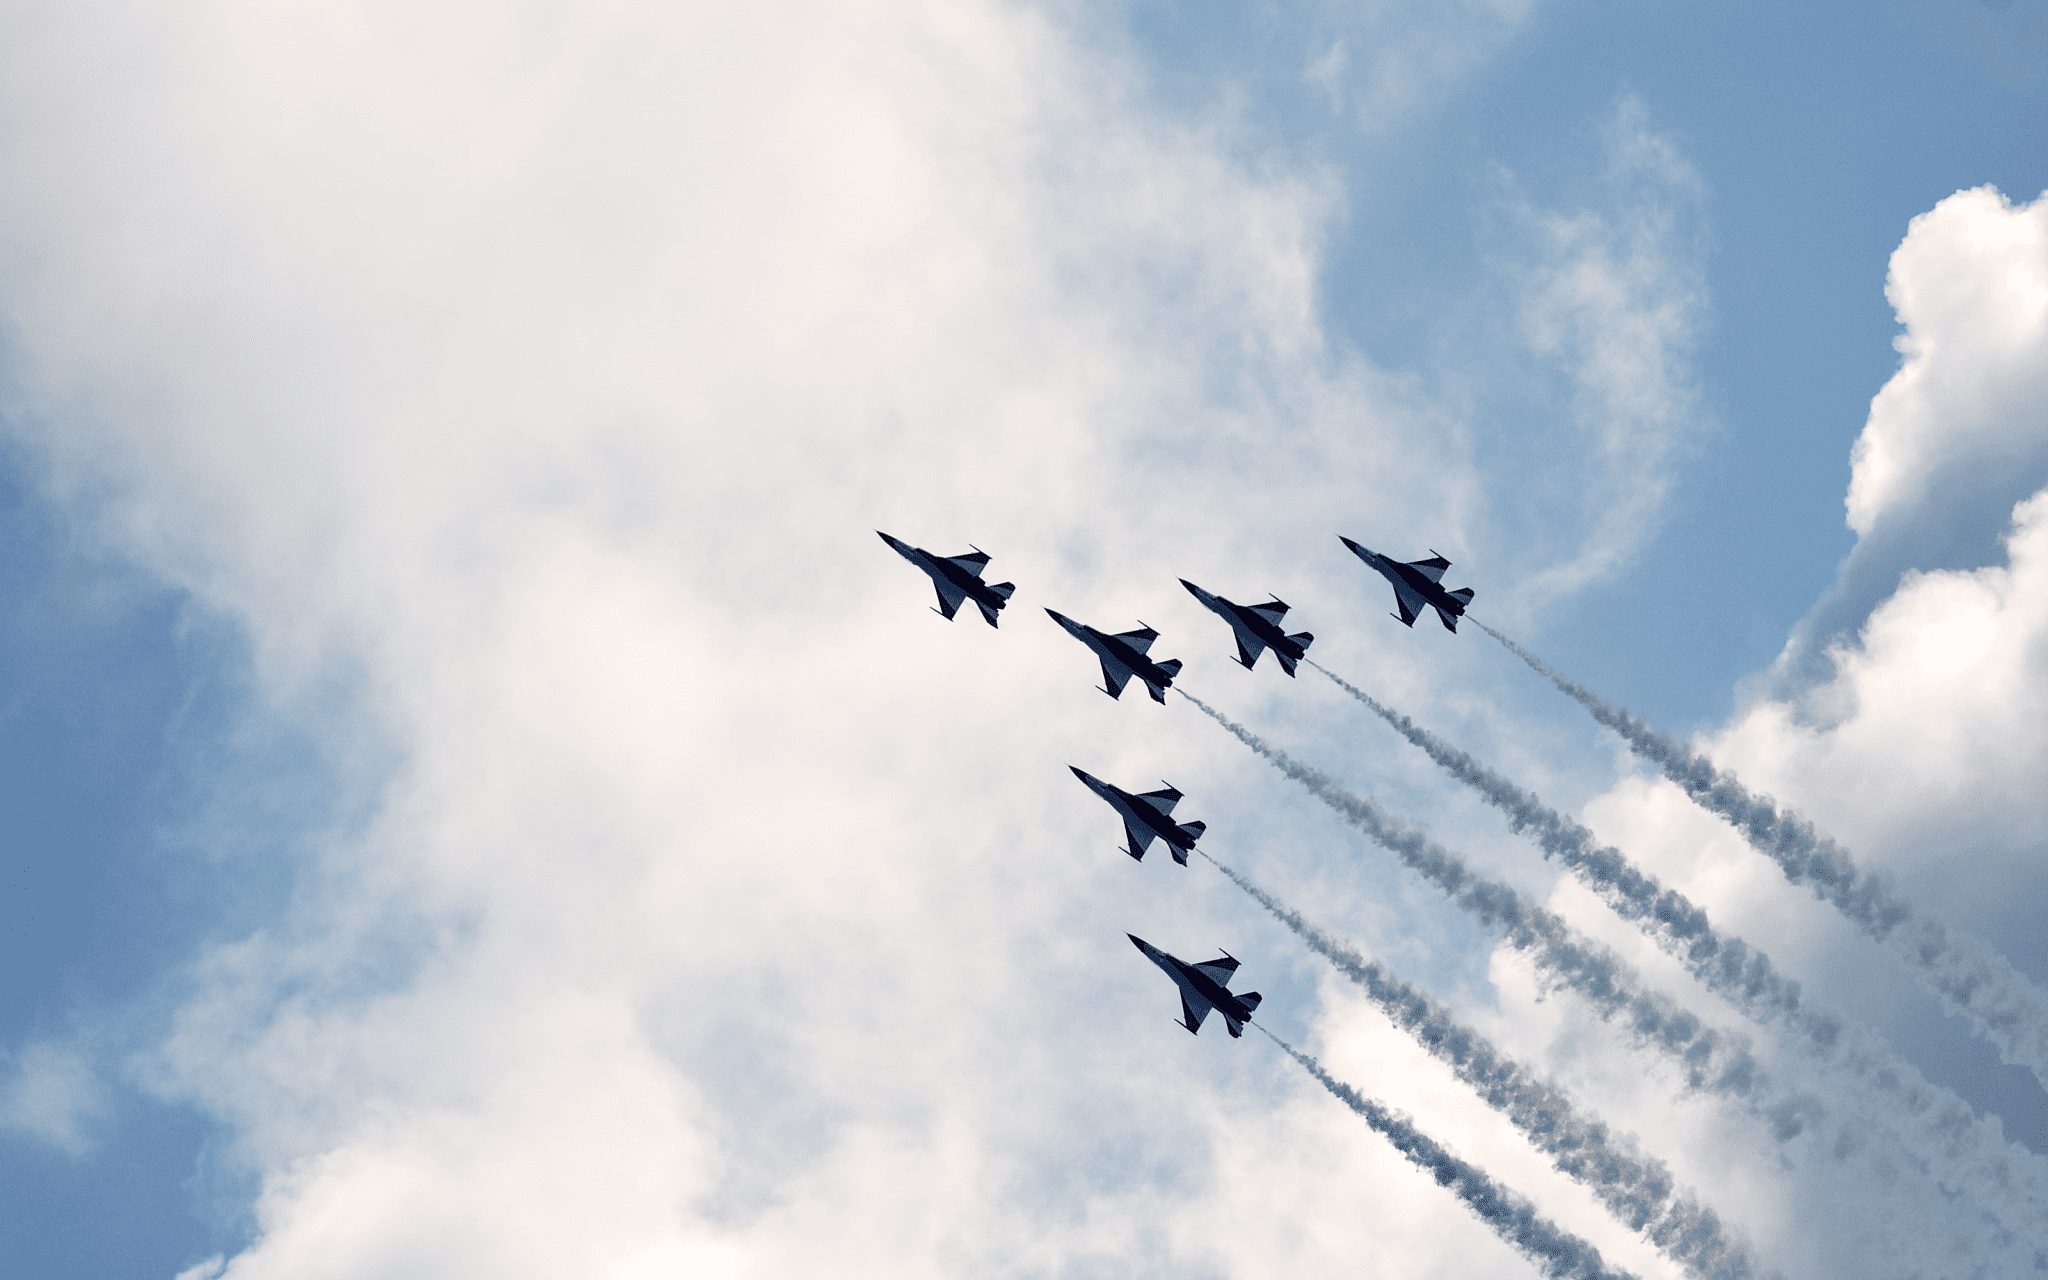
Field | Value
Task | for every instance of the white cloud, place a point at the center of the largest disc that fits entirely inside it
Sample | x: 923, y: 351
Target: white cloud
x: 51, y: 1093
x: 1970, y: 284
x: 1954, y: 439
x: 1920, y: 747
x: 1409, y: 53
x: 1615, y: 301
x: 1937, y: 755
x: 527, y: 385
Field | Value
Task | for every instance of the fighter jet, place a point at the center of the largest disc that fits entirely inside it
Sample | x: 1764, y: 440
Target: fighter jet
x: 958, y: 579
x: 1417, y: 584
x: 1258, y: 629
x: 1203, y: 987
x: 1145, y: 818
x: 1123, y: 656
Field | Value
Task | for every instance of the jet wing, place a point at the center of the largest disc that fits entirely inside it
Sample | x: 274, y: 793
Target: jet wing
x: 1409, y: 601
x: 1139, y: 640
x: 1192, y: 1015
x: 1114, y: 677
x: 950, y: 596
x: 1432, y: 568
x: 1141, y: 839
x: 1248, y: 649
x: 1161, y: 800
x: 1219, y: 970
x: 974, y: 562
x: 1273, y: 610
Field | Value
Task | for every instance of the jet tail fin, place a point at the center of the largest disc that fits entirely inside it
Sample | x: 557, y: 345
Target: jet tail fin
x: 1171, y: 667
x: 1193, y: 830
x: 1463, y: 594
x: 1250, y: 1000
x: 1450, y: 620
x: 1003, y: 590
x: 1304, y: 640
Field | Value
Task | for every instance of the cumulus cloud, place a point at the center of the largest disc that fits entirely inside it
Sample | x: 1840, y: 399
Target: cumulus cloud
x: 1918, y: 744
x: 1938, y: 760
x: 1954, y: 439
x: 525, y: 387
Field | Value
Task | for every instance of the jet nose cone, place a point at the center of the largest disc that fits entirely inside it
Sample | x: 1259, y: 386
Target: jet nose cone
x: 1082, y: 776
x: 1194, y: 590
x: 1056, y: 616
x: 1138, y: 942
x: 1349, y: 543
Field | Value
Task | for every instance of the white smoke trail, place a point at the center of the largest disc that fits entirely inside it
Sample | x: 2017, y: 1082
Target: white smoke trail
x: 1556, y: 1252
x: 1964, y: 1153
x: 1636, y: 1189
x: 1970, y: 979
x: 1728, y: 966
x: 1710, y: 1060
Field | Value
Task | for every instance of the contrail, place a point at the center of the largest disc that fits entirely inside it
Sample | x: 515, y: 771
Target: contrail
x: 1728, y: 966
x: 1709, y: 1059
x: 1556, y: 1252
x: 1971, y: 980
x: 1965, y: 1153
x: 1636, y: 1189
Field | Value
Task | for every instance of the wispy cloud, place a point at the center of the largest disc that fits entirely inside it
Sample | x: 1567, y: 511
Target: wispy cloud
x: 52, y: 1093
x: 1616, y: 301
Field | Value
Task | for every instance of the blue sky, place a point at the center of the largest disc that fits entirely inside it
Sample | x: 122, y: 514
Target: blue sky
x: 480, y: 802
